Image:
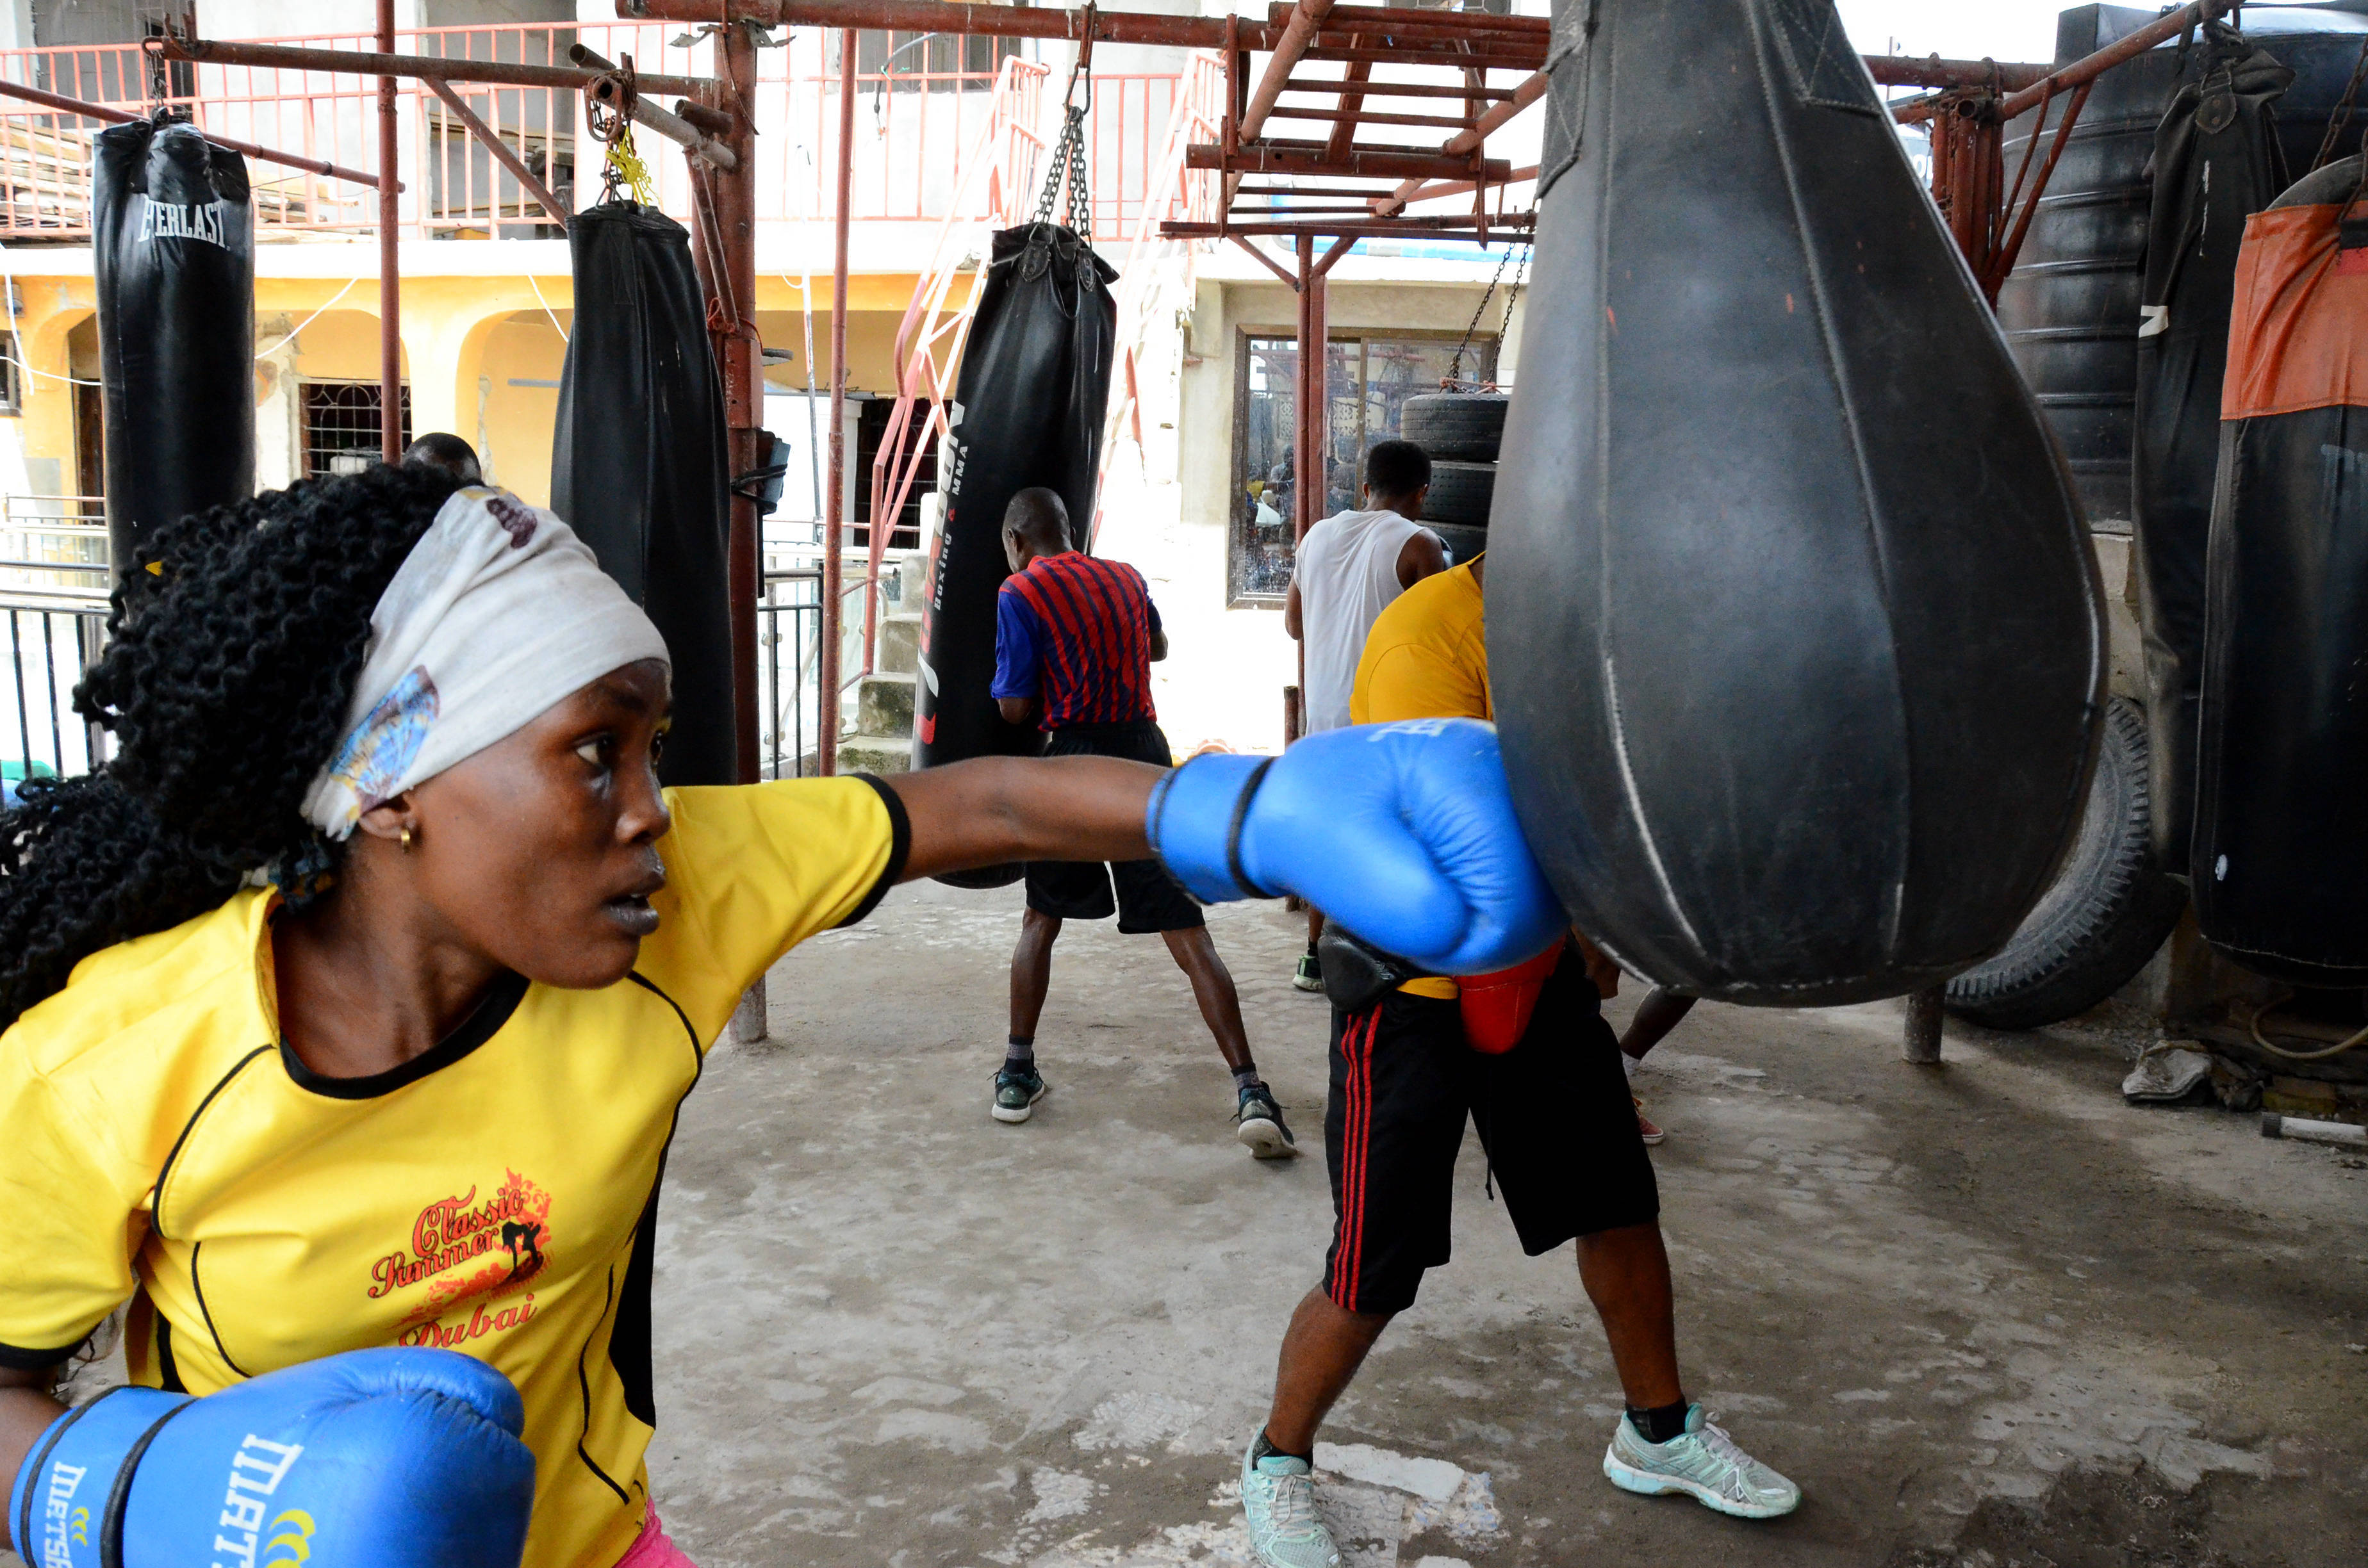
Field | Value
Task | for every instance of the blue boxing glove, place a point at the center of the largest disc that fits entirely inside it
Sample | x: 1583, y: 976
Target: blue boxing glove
x: 376, y: 1459
x: 1401, y: 832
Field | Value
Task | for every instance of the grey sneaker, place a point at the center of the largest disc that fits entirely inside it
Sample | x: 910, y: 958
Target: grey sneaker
x: 1279, y: 1504
x: 1016, y: 1095
x: 1309, y: 975
x: 1703, y: 1462
x: 1259, y: 1125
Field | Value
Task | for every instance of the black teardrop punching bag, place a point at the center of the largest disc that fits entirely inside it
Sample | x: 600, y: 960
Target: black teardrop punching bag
x: 637, y: 466
x: 2279, y: 860
x: 173, y: 255
x: 1794, y: 633
x: 2216, y: 162
x: 1028, y: 411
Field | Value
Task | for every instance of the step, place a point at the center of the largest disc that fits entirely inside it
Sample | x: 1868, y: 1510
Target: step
x: 900, y: 642
x: 884, y: 704
x: 876, y: 754
x: 912, y: 580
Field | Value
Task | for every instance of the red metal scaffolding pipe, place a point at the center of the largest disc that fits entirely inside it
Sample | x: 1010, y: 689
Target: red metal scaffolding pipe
x: 827, y: 708
x: 64, y: 105
x: 386, y: 63
x: 390, y: 280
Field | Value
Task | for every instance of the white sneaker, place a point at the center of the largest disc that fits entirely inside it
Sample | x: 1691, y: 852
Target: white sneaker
x: 1702, y: 1461
x: 1279, y: 1503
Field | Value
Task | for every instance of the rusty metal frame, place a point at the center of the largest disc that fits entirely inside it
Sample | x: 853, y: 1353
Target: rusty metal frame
x: 113, y: 116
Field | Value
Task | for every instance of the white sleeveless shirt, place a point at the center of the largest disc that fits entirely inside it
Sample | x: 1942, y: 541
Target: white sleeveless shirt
x: 1346, y: 570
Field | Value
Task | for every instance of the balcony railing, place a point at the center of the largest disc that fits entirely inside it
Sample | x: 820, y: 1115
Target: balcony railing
x: 912, y: 130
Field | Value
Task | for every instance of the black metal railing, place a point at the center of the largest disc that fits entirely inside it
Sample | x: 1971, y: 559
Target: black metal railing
x: 47, y: 640
x: 788, y: 671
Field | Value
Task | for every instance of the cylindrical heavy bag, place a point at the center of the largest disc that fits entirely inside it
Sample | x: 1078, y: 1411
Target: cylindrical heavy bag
x: 638, y: 464
x: 2216, y: 163
x: 1796, y: 639
x: 2279, y: 855
x: 1028, y: 411
x: 173, y: 255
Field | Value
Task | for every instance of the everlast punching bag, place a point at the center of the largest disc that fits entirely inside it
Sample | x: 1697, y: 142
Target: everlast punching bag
x: 638, y: 467
x: 2216, y: 163
x: 1028, y: 411
x: 1794, y: 633
x: 2279, y: 855
x: 173, y: 255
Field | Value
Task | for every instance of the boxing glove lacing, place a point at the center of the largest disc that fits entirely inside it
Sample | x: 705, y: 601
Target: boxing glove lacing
x: 1234, y: 832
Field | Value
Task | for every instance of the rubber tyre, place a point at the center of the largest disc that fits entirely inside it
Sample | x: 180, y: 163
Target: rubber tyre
x: 1461, y: 543
x: 1465, y: 426
x: 1460, y: 494
x: 2108, y: 911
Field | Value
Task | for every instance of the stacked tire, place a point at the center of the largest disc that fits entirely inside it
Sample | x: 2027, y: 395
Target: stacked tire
x: 1461, y: 431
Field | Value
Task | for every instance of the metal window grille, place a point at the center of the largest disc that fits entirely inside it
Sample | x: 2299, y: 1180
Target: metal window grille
x: 341, y: 427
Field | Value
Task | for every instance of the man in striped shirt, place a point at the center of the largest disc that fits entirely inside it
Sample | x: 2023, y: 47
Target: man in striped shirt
x: 1075, y: 640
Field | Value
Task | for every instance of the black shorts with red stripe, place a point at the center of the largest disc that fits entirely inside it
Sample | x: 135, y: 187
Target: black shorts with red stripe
x: 1555, y: 1118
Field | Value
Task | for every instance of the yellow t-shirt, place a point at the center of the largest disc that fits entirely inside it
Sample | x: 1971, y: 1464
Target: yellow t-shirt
x: 497, y: 1195
x: 1427, y: 657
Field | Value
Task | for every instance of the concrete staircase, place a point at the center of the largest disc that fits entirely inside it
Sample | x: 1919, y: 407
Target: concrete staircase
x: 880, y: 737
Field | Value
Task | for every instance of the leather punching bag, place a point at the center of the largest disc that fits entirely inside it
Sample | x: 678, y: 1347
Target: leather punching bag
x: 1028, y: 411
x: 1794, y: 632
x: 2216, y: 163
x: 638, y: 465
x: 173, y: 253
x: 2280, y: 855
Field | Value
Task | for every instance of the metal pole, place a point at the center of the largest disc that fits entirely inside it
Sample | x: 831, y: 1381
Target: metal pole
x: 834, y: 530
x: 390, y: 281
x: 1303, y: 488
x: 499, y: 151
x: 249, y: 149
x: 734, y: 223
x: 1923, y: 1045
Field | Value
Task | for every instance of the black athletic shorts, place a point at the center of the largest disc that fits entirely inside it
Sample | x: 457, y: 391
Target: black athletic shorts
x: 1148, y: 899
x: 1554, y: 1114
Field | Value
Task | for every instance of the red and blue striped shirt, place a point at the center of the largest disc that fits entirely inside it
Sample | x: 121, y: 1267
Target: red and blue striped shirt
x: 1076, y: 631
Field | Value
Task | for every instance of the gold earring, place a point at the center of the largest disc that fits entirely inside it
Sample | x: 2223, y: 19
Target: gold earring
x: 407, y: 840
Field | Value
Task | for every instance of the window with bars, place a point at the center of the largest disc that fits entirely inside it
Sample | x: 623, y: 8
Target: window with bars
x: 341, y: 427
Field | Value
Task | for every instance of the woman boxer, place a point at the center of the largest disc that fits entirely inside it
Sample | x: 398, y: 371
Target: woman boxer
x: 347, y: 1012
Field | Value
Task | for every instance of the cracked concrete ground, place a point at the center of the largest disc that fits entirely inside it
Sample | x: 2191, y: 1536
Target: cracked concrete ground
x: 1984, y: 1314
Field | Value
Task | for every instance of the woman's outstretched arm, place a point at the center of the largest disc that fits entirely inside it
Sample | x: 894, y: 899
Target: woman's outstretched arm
x: 993, y: 811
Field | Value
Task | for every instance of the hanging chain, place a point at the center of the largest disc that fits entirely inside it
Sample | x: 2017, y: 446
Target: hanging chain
x: 2340, y: 121
x: 1455, y: 366
x: 1069, y: 153
x: 609, y: 104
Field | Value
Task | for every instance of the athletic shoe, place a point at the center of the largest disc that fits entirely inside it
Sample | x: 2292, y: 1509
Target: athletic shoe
x: 1279, y: 1504
x: 1702, y: 1461
x: 1310, y: 975
x: 1644, y: 1128
x: 1259, y: 1125
x: 1016, y: 1095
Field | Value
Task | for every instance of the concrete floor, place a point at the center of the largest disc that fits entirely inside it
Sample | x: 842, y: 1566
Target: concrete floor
x: 1985, y: 1314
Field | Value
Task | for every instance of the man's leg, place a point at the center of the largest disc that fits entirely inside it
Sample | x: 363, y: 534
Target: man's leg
x: 1626, y: 1273
x: 1392, y: 1123
x: 1321, y: 1352
x: 1213, y: 988
x: 1656, y: 1015
x: 1018, y: 1086
x: 1309, y: 976
x: 1562, y: 1139
x: 1257, y: 1115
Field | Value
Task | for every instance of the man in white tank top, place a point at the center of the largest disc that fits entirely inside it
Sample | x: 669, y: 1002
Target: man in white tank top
x: 1347, y: 571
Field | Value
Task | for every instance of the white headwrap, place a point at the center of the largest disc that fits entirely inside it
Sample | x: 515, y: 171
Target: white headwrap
x: 498, y: 612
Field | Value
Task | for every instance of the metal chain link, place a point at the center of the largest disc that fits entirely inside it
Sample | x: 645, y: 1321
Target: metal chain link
x: 1069, y: 154
x: 1455, y: 366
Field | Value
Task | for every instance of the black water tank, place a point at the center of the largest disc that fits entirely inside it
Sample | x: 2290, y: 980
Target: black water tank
x: 2071, y: 310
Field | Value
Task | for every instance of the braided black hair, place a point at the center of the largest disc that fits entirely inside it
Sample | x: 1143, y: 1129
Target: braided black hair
x: 233, y: 648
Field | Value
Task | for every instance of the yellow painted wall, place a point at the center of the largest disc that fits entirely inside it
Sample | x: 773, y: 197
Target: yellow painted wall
x: 465, y: 340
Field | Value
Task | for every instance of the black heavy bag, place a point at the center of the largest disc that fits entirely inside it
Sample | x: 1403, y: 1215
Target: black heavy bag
x: 2280, y: 855
x: 1794, y: 628
x: 638, y: 467
x: 172, y: 253
x: 1028, y: 411
x: 2216, y: 163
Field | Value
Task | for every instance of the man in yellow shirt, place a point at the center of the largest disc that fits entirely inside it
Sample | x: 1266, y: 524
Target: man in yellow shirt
x: 1564, y: 1150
